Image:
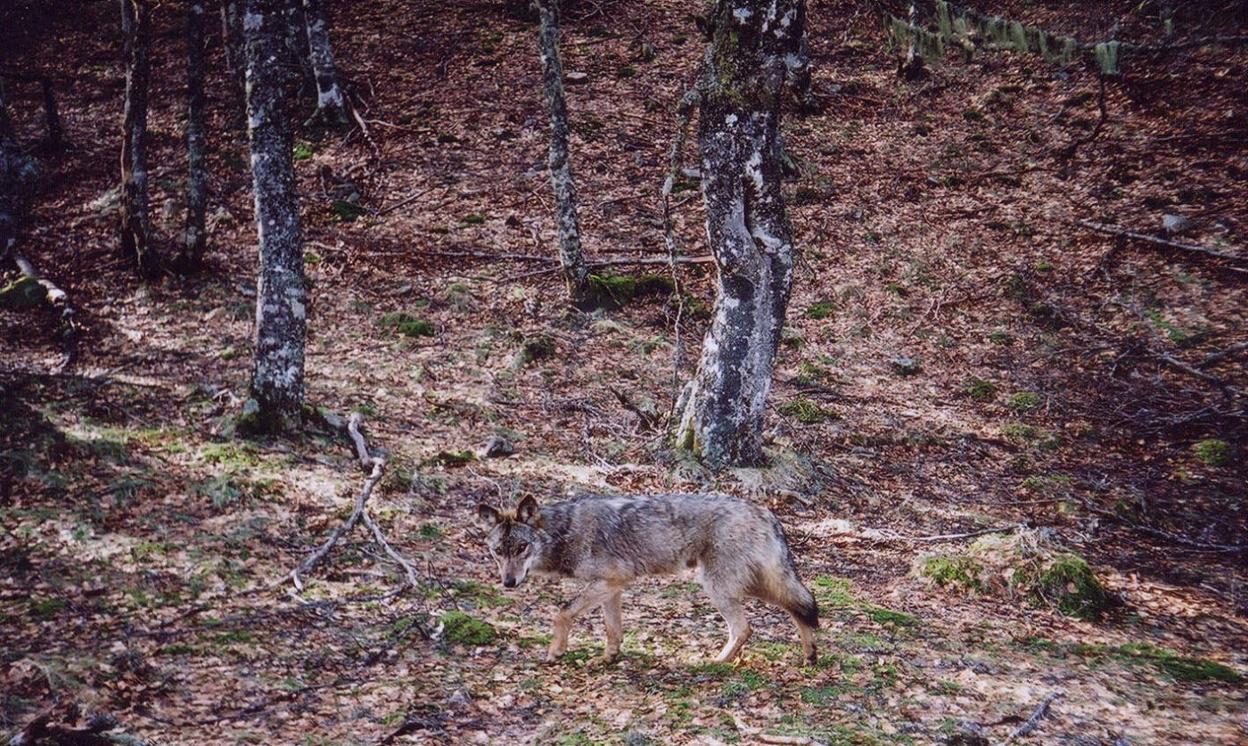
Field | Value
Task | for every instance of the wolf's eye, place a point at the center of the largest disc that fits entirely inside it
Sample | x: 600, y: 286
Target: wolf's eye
x: 522, y: 547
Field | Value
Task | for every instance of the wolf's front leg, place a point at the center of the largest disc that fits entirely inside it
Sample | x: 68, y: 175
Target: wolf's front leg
x: 592, y: 595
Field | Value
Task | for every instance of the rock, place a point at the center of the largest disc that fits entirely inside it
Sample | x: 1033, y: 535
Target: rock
x: 496, y: 447
x: 904, y: 365
x: 23, y: 294
x: 1171, y: 223
x: 968, y: 734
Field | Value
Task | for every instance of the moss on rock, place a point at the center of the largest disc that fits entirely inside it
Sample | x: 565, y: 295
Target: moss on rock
x: 1026, y: 564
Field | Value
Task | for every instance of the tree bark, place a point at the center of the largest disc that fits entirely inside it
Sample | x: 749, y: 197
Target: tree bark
x: 197, y: 175
x: 571, y: 256
x: 135, y: 224
x: 277, y: 387
x: 331, y: 104
x: 720, y: 411
x: 235, y: 59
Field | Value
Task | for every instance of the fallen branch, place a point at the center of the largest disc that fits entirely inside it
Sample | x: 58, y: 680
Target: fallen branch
x: 99, y: 730
x: 1034, y: 721
x: 1217, y: 357
x: 757, y: 734
x: 376, y: 467
x: 966, y: 535
x: 59, y: 300
x: 1114, y: 230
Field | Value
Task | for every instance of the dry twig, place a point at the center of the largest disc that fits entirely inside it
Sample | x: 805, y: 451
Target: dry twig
x: 1034, y: 721
x: 376, y: 466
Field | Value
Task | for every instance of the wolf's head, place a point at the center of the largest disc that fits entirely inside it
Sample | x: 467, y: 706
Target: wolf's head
x: 515, y: 539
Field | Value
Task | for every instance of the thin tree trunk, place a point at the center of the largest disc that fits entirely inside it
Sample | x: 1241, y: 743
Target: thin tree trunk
x: 297, y: 44
x: 51, y: 117
x: 571, y: 256
x: 197, y: 173
x: 135, y: 225
x: 798, y: 63
x: 911, y: 67
x: 331, y: 104
x: 7, y: 133
x: 235, y: 59
x: 277, y: 387
x: 720, y: 412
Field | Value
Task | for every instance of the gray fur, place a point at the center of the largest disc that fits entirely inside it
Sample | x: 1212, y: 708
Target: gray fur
x: 739, y: 550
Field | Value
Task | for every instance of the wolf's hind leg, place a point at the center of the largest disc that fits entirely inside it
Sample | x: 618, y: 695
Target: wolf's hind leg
x: 611, y: 617
x: 592, y: 595
x: 733, y: 612
x: 807, y: 635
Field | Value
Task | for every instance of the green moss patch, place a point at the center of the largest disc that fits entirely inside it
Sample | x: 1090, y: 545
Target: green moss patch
x: 1024, y: 401
x: 464, y: 629
x: 980, y: 390
x: 806, y: 411
x: 616, y: 291
x: 1028, y: 565
x: 820, y: 310
x: 406, y: 324
x: 1212, y: 452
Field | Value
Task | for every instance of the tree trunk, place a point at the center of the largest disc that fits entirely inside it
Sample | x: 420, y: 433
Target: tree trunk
x: 571, y: 257
x: 331, y: 104
x: 911, y: 66
x: 798, y: 64
x: 297, y: 44
x: 135, y: 225
x: 281, y: 295
x: 720, y: 412
x: 235, y: 59
x: 197, y: 176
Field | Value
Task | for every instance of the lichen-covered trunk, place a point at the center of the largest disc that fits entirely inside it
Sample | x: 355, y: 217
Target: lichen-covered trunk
x: 197, y: 175
x: 571, y: 257
x: 720, y: 411
x: 235, y: 59
x: 277, y: 387
x: 136, y: 29
x: 331, y: 104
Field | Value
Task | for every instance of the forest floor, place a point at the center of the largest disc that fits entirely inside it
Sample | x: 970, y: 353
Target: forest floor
x: 960, y: 356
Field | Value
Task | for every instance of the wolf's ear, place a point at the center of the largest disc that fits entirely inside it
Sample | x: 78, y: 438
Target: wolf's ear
x: 526, y: 511
x: 488, y: 516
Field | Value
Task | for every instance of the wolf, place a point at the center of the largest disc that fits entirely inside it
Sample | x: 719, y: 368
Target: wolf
x: 737, y: 549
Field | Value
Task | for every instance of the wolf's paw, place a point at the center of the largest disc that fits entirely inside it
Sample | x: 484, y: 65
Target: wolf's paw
x: 554, y: 654
x: 610, y: 656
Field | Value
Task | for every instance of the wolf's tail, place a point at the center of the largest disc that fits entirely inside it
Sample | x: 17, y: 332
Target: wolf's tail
x: 798, y: 600
x: 786, y: 587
